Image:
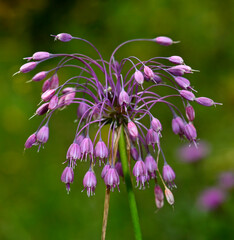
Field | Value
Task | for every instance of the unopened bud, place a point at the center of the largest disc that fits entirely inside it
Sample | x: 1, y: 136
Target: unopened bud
x: 132, y: 129
x: 176, y: 60
x: 63, y: 37
x: 139, y: 77
x: 190, y: 113
x: 187, y: 95
x: 40, y: 56
x: 169, y: 196
x: 165, y: 41
x: 39, y: 76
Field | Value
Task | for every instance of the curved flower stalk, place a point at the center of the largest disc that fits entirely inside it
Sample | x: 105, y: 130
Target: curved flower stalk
x: 114, y: 93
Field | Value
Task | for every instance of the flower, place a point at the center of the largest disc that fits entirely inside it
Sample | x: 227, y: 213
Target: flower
x: 107, y: 93
x: 211, y: 198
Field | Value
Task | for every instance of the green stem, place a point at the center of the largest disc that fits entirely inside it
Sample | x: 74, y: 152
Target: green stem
x: 128, y: 182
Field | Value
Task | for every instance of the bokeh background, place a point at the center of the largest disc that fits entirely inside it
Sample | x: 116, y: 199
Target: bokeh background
x: 33, y: 202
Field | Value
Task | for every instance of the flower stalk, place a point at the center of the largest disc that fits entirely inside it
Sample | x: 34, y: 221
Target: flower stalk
x: 129, y: 187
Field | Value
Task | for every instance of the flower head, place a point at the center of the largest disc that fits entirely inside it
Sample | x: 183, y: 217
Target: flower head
x: 108, y: 98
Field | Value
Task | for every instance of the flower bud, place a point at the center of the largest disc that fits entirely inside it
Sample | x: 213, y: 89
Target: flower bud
x: 73, y: 152
x: 54, y: 81
x: 124, y: 98
x: 40, y: 56
x: 90, y: 182
x: 53, y: 102
x: 187, y: 95
x: 42, y: 109
x: 169, y: 196
x: 190, y: 113
x: 176, y: 70
x: 159, y: 196
x: 157, y: 78
x: 190, y: 132
x: 165, y: 41
x: 79, y: 139
x: 82, y: 108
x: 152, y: 137
x: 68, y: 98
x: 176, y: 60
x: 27, y: 67
x: 168, y: 175
x: 156, y: 125
x: 178, y: 125
x: 47, y: 95
x: 139, y: 77
x: 30, y: 141
x: 46, y: 85
x: 43, y: 134
x: 119, y: 169
x: 132, y: 129
x: 148, y: 72
x: 182, y: 82
x: 205, y: 101
x: 134, y: 153
x: 63, y: 37
x: 39, y: 76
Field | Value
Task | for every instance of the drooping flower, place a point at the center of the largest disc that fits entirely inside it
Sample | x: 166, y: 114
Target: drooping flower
x: 107, y: 94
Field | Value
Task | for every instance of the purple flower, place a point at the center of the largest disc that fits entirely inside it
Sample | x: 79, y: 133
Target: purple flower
x: 105, y: 170
x: 226, y: 180
x: 30, y: 141
x: 73, y: 152
x: 176, y: 60
x: 151, y: 166
x: 107, y: 96
x: 166, y: 41
x: 90, y: 182
x: 190, y: 132
x: 119, y: 169
x: 139, y: 77
x: 187, y: 95
x: 43, y: 134
x: 111, y: 178
x: 86, y: 147
x: 139, y: 171
x: 37, y: 56
x: 67, y: 177
x: 190, y: 113
x: 63, y: 37
x: 191, y: 153
x: 101, y: 150
x: 124, y: 98
x: 206, y: 101
x: 178, y: 125
x: 42, y: 109
x: 40, y: 76
x: 159, y: 196
x: 156, y: 125
x: 211, y: 198
x: 169, y: 175
x: 134, y: 153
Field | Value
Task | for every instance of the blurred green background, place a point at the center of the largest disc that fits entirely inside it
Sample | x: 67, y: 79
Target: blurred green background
x: 33, y: 202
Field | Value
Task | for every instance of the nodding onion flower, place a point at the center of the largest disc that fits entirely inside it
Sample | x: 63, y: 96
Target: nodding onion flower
x: 112, y: 93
